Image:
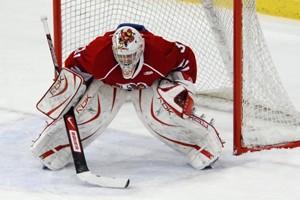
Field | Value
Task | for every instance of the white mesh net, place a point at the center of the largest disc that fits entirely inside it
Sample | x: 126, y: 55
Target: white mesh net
x: 268, y: 115
x: 207, y: 27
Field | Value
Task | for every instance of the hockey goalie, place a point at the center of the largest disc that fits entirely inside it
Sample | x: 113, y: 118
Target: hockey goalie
x: 128, y: 63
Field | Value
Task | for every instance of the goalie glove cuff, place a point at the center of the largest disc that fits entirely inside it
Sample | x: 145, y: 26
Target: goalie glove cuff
x: 189, y: 86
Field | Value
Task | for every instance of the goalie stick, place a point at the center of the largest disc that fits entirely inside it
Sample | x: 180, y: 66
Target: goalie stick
x: 81, y: 167
x: 79, y: 159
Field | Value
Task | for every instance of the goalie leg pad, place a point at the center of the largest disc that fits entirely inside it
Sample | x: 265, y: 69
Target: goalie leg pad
x: 93, y: 113
x: 193, y: 137
x: 51, y: 147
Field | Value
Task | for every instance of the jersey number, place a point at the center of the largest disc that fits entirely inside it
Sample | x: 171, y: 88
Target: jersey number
x: 181, y: 47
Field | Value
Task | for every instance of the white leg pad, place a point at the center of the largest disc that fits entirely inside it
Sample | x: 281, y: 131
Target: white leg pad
x: 193, y: 137
x: 93, y: 113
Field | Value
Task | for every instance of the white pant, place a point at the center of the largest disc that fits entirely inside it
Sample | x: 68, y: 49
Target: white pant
x: 99, y: 105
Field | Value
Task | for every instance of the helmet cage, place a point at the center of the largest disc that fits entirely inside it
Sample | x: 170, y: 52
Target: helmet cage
x: 128, y: 46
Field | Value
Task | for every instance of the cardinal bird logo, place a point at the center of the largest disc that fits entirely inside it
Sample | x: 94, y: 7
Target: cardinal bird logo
x: 126, y: 37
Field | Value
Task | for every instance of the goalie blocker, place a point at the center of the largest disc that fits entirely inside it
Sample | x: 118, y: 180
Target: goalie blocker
x: 165, y: 109
x: 64, y: 93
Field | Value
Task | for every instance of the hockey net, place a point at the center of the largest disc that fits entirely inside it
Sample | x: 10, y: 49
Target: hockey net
x: 265, y: 117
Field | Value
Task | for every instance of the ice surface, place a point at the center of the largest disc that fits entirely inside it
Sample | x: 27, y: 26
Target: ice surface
x: 156, y: 172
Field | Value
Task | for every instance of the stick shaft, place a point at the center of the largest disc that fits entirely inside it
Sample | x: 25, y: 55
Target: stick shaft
x: 75, y: 142
x: 50, y: 44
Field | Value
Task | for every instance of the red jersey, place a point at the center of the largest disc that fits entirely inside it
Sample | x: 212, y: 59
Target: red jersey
x: 160, y: 58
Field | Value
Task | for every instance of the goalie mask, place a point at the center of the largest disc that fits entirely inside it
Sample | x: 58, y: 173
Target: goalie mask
x: 128, y: 46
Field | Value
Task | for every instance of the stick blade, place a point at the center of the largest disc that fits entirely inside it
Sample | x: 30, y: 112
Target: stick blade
x: 102, y: 181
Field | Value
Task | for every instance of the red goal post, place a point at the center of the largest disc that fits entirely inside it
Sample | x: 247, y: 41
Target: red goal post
x: 57, y: 25
x: 238, y: 100
x: 237, y: 79
x: 235, y: 67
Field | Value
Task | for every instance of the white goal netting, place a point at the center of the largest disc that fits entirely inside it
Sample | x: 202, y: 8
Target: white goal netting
x: 207, y: 27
